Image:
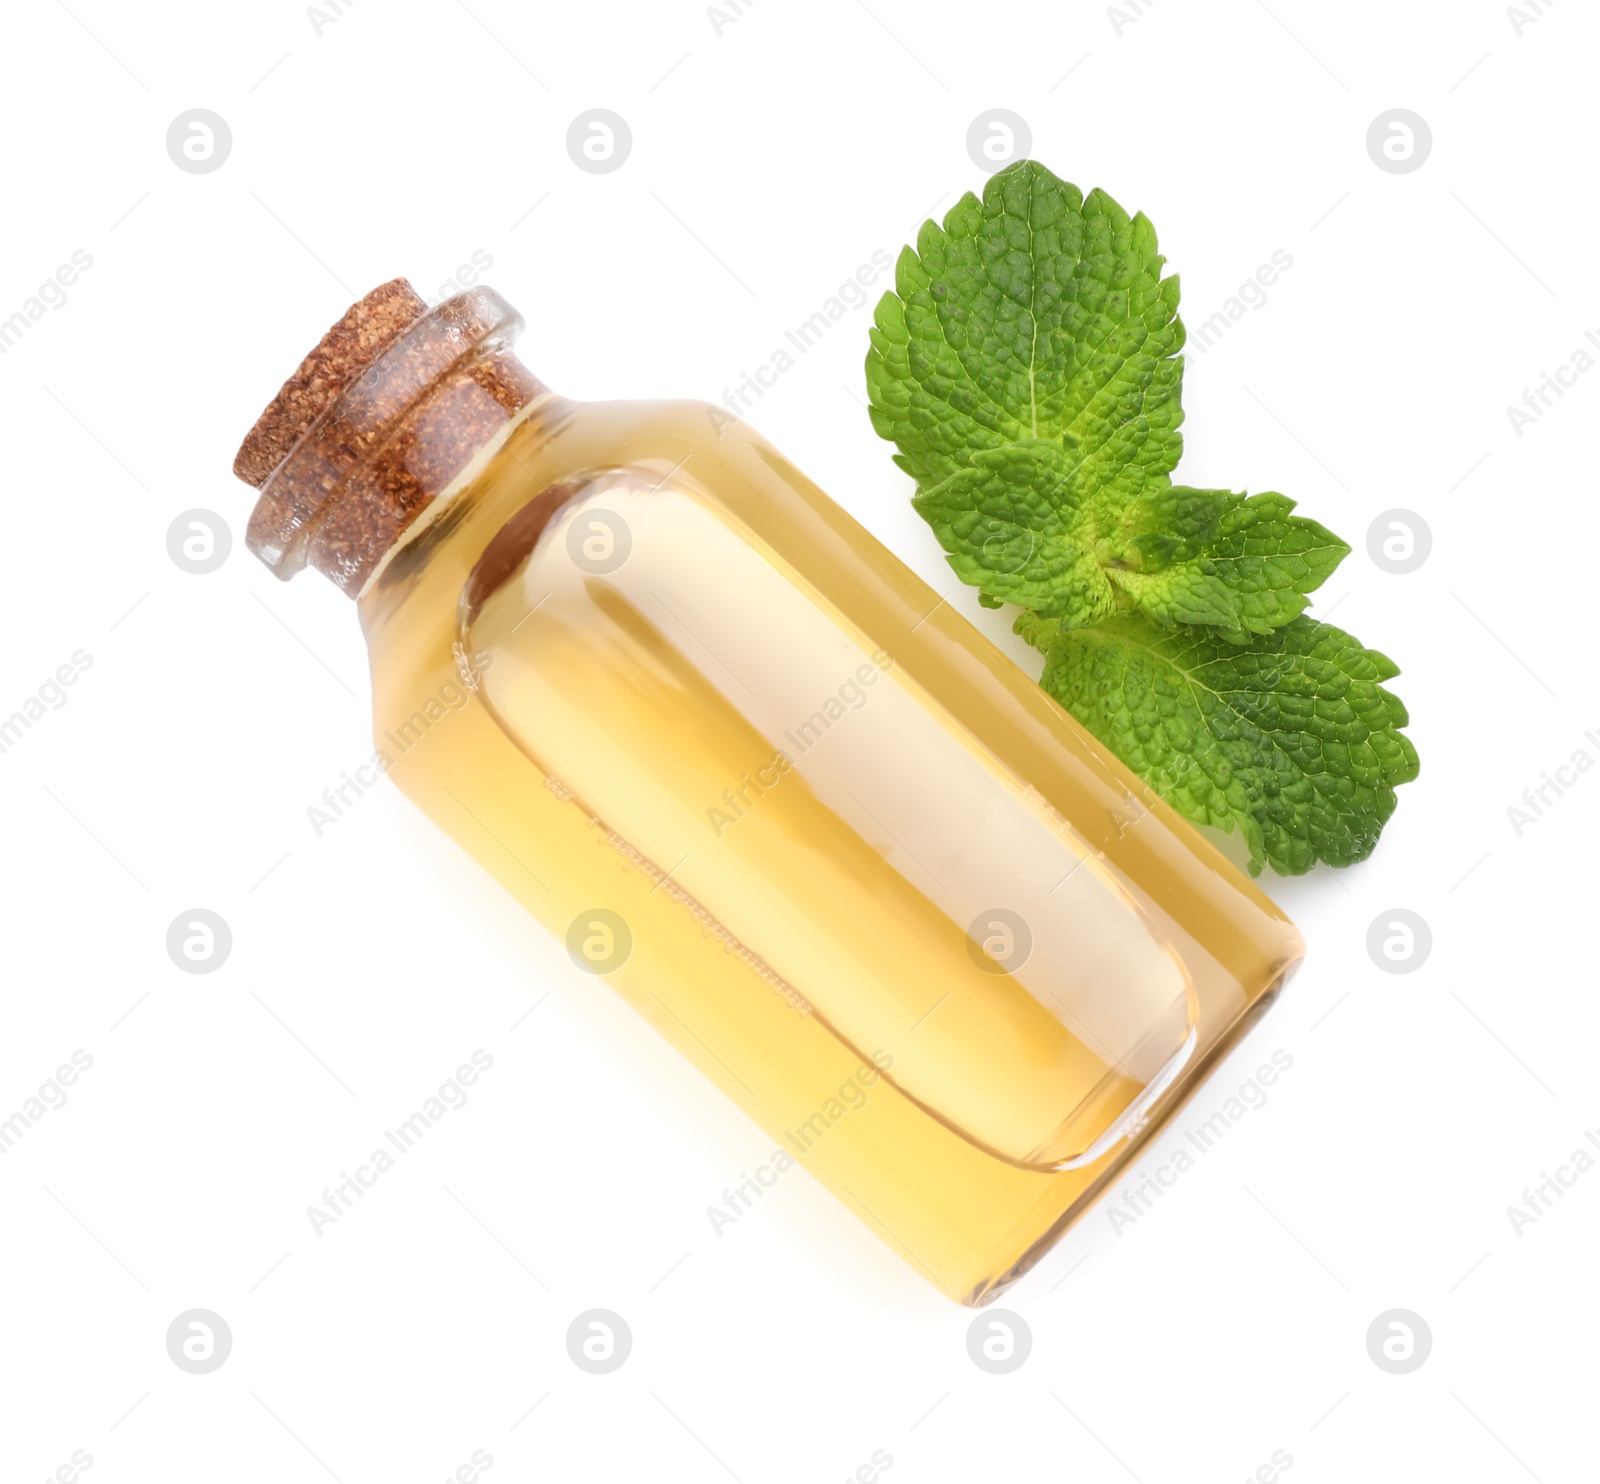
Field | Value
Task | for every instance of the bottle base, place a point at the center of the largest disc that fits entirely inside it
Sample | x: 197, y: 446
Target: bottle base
x: 1195, y: 1076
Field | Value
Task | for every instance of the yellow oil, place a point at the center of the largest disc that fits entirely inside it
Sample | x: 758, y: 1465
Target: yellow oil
x: 834, y: 845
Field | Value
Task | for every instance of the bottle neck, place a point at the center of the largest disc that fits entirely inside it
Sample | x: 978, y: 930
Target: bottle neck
x: 392, y: 404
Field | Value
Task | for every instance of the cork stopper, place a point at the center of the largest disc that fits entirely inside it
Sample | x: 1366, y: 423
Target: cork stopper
x: 392, y: 403
x: 367, y: 329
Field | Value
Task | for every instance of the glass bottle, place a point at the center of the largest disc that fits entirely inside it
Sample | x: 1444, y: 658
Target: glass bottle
x: 940, y: 944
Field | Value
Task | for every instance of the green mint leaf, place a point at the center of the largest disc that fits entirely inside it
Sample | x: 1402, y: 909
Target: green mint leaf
x: 1244, y: 564
x: 1156, y: 558
x: 1039, y: 632
x: 1271, y: 558
x: 1290, y: 738
x: 1191, y: 593
x: 1033, y: 313
x: 1008, y: 525
x: 1169, y: 524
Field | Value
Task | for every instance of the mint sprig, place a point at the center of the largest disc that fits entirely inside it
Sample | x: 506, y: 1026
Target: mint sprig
x: 1027, y: 367
x: 1290, y: 739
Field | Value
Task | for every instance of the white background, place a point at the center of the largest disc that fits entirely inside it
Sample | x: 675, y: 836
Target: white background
x: 768, y: 163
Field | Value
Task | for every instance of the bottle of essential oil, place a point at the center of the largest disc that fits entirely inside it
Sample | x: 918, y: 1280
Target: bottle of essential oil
x: 950, y: 953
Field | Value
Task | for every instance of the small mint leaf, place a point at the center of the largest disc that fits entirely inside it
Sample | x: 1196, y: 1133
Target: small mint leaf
x: 1289, y: 739
x: 1171, y: 523
x: 1041, y: 633
x: 1189, y: 593
x: 1271, y: 558
x: 1243, y: 565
